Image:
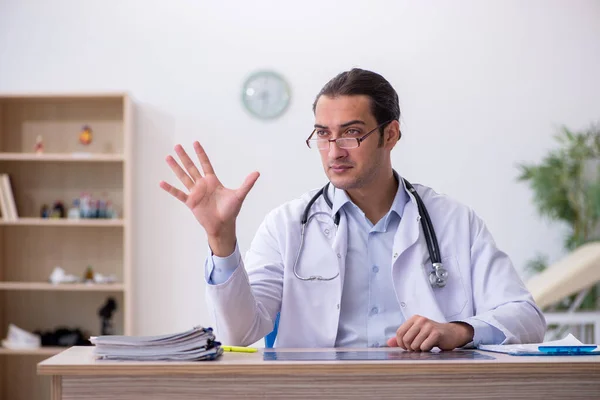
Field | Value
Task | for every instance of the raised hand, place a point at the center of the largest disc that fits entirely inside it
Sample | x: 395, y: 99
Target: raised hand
x: 213, y: 205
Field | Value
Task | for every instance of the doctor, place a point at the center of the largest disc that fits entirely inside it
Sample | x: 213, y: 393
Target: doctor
x: 357, y: 266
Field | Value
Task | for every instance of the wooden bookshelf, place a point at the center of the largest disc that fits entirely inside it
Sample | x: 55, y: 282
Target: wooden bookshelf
x: 31, y: 246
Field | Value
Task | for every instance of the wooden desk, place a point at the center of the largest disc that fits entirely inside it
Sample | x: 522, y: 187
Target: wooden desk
x: 76, y: 375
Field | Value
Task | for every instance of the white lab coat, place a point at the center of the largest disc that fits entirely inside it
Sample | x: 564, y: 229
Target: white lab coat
x: 482, y: 282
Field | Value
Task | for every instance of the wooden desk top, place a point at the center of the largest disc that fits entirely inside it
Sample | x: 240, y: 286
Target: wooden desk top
x: 80, y: 361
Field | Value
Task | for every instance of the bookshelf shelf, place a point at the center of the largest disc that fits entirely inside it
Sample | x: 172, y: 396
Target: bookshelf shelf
x: 32, y: 247
x: 62, y: 157
x: 84, y: 222
x: 72, y: 287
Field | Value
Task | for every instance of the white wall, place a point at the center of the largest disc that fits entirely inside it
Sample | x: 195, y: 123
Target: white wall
x: 483, y: 85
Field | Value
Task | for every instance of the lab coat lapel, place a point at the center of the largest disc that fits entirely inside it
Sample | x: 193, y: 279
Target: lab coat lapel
x: 340, y: 244
x: 340, y: 247
x: 411, y: 280
x: 338, y: 240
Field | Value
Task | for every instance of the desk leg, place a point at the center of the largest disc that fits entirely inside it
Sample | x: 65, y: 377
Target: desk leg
x: 56, y: 387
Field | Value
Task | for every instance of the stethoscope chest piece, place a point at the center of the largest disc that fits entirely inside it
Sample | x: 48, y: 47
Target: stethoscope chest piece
x: 439, y: 276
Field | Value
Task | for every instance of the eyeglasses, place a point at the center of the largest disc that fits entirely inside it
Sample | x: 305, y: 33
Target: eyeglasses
x: 343, y: 142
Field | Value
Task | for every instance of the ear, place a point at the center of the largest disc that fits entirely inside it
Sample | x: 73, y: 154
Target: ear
x: 392, y: 133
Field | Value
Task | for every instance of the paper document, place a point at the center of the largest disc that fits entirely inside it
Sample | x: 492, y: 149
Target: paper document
x: 570, y: 345
x: 193, y: 345
x: 20, y: 339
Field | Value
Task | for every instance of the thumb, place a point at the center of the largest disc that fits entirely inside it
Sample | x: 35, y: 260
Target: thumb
x: 249, y: 182
x: 392, y: 342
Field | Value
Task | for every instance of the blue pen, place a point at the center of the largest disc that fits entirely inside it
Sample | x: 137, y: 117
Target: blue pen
x: 566, y: 350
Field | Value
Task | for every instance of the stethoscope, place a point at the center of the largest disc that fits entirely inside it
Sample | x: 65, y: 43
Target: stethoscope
x: 437, y: 278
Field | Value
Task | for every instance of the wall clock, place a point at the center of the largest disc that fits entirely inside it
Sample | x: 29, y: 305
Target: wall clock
x: 266, y: 94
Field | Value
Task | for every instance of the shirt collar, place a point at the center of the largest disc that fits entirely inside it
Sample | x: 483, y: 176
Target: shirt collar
x: 341, y: 198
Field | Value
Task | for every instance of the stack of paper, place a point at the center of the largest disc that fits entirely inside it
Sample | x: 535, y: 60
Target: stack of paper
x: 194, y: 345
x: 570, y: 345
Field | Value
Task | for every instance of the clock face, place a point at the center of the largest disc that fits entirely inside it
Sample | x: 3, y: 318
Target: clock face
x: 266, y: 94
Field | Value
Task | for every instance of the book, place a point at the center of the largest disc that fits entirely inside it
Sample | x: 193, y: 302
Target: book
x: 570, y: 345
x: 195, y: 344
x: 3, y: 203
x: 9, y: 198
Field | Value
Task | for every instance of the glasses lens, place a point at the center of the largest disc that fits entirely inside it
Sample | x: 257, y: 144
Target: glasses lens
x: 322, y: 144
x: 347, y: 143
x: 319, y: 144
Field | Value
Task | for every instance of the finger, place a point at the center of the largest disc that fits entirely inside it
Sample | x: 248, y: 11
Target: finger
x: 410, y: 336
x: 180, y: 173
x: 203, y: 158
x: 188, y: 163
x: 392, y: 342
x: 401, y: 331
x: 431, y: 341
x: 249, y: 182
x: 420, y: 338
x: 178, y: 194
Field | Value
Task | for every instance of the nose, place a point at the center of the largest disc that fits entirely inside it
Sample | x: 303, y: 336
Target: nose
x: 336, y: 152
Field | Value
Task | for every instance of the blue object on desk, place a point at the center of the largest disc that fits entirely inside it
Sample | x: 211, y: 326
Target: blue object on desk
x: 270, y: 338
x: 569, y: 350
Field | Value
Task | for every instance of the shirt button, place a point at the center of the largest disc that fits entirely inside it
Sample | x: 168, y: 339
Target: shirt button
x: 337, y: 306
x: 326, y: 232
x: 339, y: 255
x: 375, y: 269
x: 395, y: 255
x: 403, y: 305
x: 374, y: 310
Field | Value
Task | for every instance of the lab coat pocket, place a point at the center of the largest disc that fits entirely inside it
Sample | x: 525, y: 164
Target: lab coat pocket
x: 452, y: 298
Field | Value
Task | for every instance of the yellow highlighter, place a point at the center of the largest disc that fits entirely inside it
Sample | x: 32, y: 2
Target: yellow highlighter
x: 239, y: 349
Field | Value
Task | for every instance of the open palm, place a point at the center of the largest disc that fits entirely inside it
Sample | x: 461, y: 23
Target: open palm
x: 214, y: 206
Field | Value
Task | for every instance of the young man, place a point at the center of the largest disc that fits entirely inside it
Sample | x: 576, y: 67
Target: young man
x: 357, y: 266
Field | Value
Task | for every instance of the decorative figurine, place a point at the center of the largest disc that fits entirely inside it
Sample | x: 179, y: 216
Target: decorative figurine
x: 105, y: 313
x: 39, y: 145
x: 85, y: 136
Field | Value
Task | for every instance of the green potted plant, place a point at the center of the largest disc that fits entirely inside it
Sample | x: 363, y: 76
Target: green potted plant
x: 566, y: 188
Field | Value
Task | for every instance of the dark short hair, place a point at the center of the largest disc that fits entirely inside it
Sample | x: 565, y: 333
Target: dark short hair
x: 384, y: 99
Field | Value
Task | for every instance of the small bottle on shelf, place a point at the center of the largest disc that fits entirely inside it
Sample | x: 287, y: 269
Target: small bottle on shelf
x: 110, y: 211
x: 89, y: 275
x: 93, y: 213
x: 74, y: 212
x: 45, y: 211
x: 101, y: 208
x: 84, y: 205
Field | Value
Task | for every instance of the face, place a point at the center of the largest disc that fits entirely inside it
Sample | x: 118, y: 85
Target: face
x: 350, y: 116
